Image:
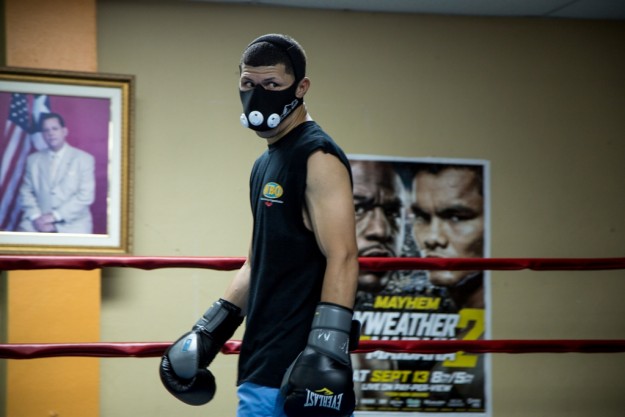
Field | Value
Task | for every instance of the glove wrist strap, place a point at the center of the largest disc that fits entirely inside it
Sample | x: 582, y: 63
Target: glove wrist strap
x: 220, y: 321
x: 330, y: 331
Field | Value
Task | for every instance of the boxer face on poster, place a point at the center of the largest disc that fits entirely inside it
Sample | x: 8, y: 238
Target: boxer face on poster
x: 448, y: 213
x: 378, y: 206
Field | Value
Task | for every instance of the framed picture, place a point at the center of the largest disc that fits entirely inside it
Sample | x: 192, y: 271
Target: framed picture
x: 65, y: 162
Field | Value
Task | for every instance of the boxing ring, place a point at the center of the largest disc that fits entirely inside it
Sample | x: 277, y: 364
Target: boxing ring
x: 156, y: 349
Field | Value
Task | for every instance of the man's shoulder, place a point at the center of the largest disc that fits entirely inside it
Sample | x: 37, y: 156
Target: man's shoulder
x: 312, y: 134
x: 37, y: 155
x: 312, y: 128
x: 75, y: 152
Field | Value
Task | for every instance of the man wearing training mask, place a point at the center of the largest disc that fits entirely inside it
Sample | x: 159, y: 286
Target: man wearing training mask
x: 297, y: 287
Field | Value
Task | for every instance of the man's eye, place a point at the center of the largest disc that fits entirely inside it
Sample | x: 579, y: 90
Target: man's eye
x: 462, y: 217
x: 392, y: 210
x: 391, y: 214
x: 420, y: 216
x: 458, y: 215
x: 360, y: 209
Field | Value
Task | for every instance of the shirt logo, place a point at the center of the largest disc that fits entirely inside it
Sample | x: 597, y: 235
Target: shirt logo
x: 272, y: 191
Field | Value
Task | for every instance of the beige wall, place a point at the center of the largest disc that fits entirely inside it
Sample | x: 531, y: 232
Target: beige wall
x: 543, y: 100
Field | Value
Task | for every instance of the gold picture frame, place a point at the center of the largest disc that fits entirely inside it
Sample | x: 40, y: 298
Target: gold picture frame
x: 81, y: 204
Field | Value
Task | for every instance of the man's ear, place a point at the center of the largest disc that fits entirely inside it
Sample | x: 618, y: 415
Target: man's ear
x: 302, y: 88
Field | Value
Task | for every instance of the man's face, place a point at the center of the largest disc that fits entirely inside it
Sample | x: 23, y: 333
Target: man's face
x: 53, y: 133
x: 270, y: 78
x: 377, y: 205
x: 448, y: 218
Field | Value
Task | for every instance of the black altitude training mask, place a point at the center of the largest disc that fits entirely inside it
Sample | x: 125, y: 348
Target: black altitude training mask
x: 264, y: 110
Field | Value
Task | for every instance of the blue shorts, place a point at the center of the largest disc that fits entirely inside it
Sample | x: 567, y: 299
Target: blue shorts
x: 258, y: 401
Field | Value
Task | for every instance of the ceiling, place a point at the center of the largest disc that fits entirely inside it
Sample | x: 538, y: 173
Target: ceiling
x: 569, y: 9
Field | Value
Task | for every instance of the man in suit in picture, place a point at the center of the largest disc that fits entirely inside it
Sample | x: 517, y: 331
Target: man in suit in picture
x: 59, y: 184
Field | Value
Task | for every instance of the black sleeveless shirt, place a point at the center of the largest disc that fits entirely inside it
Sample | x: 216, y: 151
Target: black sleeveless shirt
x: 287, y: 264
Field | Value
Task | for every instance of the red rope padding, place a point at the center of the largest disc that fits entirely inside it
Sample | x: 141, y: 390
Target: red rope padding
x: 146, y: 350
x: 27, y: 262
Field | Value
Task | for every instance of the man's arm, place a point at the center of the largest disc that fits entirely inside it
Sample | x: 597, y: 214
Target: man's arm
x: 27, y: 193
x: 238, y: 291
x: 183, y: 368
x: 330, y: 209
x: 324, y: 364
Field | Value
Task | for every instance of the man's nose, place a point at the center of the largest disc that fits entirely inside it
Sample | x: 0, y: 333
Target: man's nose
x: 435, y: 236
x: 378, y: 226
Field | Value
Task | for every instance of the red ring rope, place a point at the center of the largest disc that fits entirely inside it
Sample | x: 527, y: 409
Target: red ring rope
x: 30, y: 351
x: 368, y: 264
x: 145, y: 350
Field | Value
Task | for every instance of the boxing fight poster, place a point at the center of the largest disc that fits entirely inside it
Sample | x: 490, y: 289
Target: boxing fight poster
x: 422, y: 208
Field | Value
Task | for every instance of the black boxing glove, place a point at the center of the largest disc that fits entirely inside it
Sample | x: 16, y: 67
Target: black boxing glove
x: 183, y: 366
x: 320, y: 380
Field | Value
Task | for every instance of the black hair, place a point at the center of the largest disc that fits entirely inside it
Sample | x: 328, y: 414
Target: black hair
x: 276, y: 49
x: 46, y: 116
x: 437, y: 169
